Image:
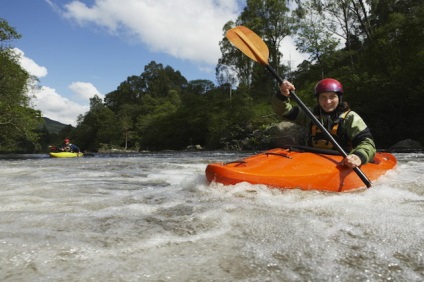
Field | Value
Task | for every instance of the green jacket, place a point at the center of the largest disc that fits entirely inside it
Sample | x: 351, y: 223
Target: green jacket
x: 353, y: 127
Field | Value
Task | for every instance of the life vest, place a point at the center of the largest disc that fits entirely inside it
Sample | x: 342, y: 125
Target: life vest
x: 318, y: 139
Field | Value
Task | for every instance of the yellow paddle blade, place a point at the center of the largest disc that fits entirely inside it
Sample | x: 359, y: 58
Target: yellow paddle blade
x: 249, y: 43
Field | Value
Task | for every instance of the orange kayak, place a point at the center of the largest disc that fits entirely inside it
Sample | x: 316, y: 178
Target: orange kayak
x: 314, y: 169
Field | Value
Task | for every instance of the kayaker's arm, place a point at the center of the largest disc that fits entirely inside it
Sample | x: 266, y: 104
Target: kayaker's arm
x: 282, y: 106
x: 365, y: 150
x: 281, y: 102
x: 286, y: 111
x: 361, y: 137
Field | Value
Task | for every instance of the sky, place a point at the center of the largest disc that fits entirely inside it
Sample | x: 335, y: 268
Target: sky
x: 81, y: 48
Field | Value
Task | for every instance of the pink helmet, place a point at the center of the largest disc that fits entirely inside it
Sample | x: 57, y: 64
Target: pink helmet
x: 328, y: 85
x: 66, y: 141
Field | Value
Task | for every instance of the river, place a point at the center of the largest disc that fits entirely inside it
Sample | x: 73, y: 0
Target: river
x: 153, y: 217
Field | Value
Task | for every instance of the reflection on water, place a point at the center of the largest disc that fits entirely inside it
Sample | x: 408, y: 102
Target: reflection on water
x: 153, y: 217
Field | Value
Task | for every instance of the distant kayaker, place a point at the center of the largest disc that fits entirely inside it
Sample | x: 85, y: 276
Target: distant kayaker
x: 69, y: 147
x: 345, y: 126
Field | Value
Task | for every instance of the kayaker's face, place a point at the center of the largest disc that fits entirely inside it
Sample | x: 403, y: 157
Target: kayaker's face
x: 328, y: 101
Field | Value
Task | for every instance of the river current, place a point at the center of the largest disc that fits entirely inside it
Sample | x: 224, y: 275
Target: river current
x: 153, y: 217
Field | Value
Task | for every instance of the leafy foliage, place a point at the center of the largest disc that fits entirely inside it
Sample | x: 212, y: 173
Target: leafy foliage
x: 18, y: 121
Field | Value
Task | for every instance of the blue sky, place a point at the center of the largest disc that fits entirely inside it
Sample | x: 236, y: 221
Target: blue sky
x: 81, y: 48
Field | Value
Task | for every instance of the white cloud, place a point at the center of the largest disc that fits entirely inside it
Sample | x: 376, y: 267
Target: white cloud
x: 85, y: 90
x: 49, y: 102
x: 29, y: 65
x: 57, y: 107
x: 185, y: 29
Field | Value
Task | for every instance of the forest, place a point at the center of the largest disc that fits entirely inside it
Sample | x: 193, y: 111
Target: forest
x: 375, y: 48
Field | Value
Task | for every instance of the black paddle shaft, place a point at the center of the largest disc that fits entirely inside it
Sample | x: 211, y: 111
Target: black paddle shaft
x: 293, y: 95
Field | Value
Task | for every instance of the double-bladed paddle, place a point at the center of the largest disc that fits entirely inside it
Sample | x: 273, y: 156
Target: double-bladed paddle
x: 253, y: 46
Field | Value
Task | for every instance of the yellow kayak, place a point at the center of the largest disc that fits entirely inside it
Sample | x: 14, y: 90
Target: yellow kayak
x: 65, y: 154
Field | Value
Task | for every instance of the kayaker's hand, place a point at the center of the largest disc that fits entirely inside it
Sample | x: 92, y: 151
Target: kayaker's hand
x: 286, y: 87
x: 352, y: 161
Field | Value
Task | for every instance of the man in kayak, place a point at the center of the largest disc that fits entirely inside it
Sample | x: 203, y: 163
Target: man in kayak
x: 69, y: 147
x: 345, y: 126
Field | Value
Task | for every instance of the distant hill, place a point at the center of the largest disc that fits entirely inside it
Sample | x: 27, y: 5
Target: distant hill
x: 54, y: 126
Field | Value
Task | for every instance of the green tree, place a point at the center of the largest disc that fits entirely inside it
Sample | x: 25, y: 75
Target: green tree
x: 270, y: 20
x: 233, y: 67
x: 157, y: 80
x: 313, y: 36
x: 128, y: 92
x: 18, y: 121
x: 99, y: 127
x: 392, y: 67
